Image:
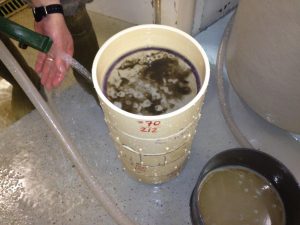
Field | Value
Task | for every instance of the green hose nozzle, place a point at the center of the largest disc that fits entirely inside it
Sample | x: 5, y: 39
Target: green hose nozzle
x: 25, y: 36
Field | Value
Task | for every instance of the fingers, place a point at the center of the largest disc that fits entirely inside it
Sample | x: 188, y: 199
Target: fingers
x: 40, y: 62
x: 62, y: 68
x: 47, y: 70
x: 52, y: 71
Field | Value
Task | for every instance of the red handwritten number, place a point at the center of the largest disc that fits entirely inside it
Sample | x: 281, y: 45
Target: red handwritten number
x: 149, y: 126
x: 156, y: 123
x: 154, y: 129
x: 149, y: 123
x: 148, y: 129
x: 144, y: 129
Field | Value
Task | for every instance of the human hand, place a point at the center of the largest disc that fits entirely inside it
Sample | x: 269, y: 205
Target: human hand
x: 51, y: 66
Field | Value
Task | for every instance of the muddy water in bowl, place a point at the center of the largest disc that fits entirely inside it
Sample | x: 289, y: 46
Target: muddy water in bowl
x: 151, y: 81
x: 239, y: 196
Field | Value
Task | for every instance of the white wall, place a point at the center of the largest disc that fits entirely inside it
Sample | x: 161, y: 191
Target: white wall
x: 209, y: 11
x: 191, y: 16
x: 133, y: 11
x: 176, y: 13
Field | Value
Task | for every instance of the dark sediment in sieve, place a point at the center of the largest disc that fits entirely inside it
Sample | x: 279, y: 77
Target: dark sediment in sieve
x: 151, y: 81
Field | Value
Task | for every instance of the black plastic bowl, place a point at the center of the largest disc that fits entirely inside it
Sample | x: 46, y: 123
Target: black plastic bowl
x: 264, y: 164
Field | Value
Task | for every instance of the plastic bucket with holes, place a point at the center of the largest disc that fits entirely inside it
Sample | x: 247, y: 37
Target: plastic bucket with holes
x: 153, y: 149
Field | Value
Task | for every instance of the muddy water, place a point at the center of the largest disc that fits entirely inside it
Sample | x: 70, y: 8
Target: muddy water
x: 238, y: 196
x: 151, y: 81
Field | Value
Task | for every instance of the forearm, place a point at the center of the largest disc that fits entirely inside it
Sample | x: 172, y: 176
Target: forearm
x: 37, y: 3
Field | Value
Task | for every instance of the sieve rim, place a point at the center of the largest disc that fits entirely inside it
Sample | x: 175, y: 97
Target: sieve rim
x: 187, y: 106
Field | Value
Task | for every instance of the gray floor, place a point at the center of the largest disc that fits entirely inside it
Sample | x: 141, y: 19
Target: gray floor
x: 39, y: 185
